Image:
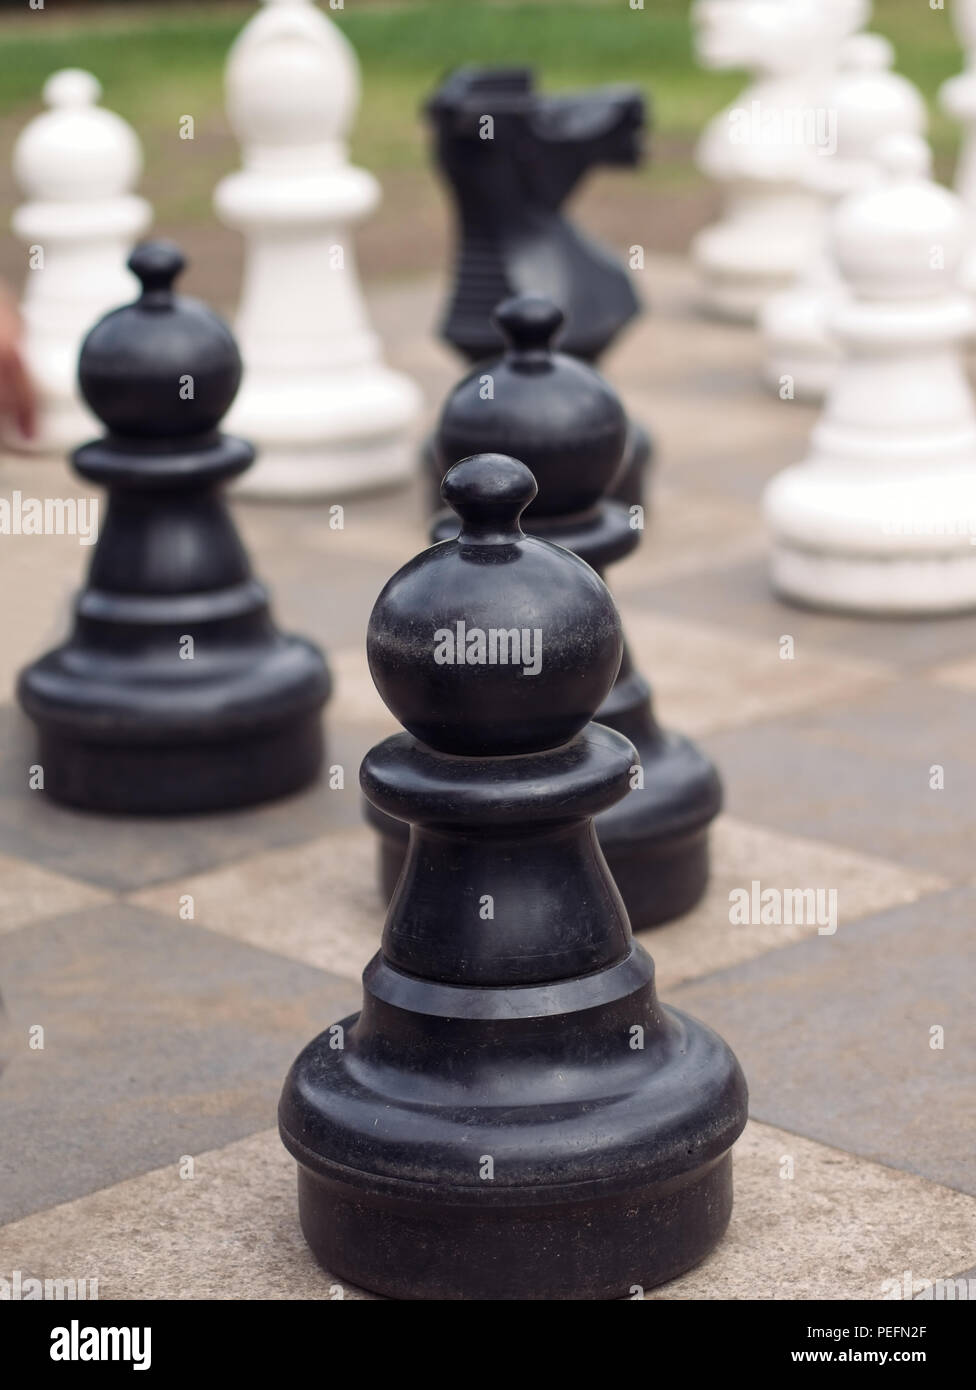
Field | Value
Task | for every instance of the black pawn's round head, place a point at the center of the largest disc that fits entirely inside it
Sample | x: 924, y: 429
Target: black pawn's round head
x: 494, y: 643
x: 165, y: 366
x: 555, y: 413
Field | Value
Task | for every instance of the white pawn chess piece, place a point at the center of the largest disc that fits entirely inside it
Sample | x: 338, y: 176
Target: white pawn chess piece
x: 958, y: 99
x: 761, y: 148
x: 869, y: 101
x: 77, y: 164
x: 326, y: 414
x: 881, y: 517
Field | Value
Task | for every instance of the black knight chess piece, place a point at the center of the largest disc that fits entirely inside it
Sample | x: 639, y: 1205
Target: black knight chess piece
x: 512, y: 1114
x: 562, y: 419
x: 175, y: 692
x: 509, y: 182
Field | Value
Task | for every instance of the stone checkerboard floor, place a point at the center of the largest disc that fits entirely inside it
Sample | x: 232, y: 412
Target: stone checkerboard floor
x: 167, y: 1039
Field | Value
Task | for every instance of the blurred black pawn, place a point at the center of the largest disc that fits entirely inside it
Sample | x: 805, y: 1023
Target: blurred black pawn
x: 175, y: 692
x: 512, y: 1115
x: 560, y: 417
x: 509, y: 181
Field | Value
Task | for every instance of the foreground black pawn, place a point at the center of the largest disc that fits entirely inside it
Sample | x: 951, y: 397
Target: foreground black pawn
x: 563, y: 420
x: 509, y: 185
x: 175, y: 692
x: 512, y: 1115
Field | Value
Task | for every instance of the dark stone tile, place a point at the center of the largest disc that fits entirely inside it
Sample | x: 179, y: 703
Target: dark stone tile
x: 160, y: 1039
x: 856, y: 773
x: 329, y: 598
x: 126, y: 853
x: 833, y: 1035
x: 739, y: 599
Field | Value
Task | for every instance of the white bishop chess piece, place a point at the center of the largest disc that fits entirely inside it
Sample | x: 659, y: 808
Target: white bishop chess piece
x: 870, y: 101
x: 326, y: 414
x: 764, y: 147
x: 77, y: 165
x: 958, y: 99
x: 881, y: 517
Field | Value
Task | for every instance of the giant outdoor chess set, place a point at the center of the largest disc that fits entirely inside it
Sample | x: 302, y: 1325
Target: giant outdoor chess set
x: 178, y: 965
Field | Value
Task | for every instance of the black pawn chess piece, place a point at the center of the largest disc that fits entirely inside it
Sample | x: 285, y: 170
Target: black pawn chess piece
x: 175, y: 692
x: 512, y: 1114
x: 560, y: 416
x: 509, y: 183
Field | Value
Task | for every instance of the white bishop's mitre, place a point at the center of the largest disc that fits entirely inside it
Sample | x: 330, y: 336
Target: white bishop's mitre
x: 292, y: 83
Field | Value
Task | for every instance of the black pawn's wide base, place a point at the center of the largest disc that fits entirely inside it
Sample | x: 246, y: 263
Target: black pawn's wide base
x: 162, y: 779
x: 406, y: 1242
x: 512, y: 1114
x: 125, y: 724
x: 609, y: 1172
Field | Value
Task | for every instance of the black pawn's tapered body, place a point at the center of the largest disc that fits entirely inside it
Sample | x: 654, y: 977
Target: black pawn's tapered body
x: 512, y: 1115
x: 509, y: 181
x: 175, y: 692
x: 562, y: 419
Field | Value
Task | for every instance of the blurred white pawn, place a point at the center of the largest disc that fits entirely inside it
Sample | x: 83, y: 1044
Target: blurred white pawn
x: 881, y: 517
x: 870, y: 101
x: 762, y: 148
x: 77, y: 164
x: 958, y: 99
x: 325, y: 413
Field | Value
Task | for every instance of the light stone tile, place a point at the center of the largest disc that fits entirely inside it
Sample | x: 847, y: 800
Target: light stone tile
x: 685, y: 532
x: 38, y: 574
x: 321, y: 881
x: 393, y: 538
x: 705, y: 679
x: 41, y: 475
x: 355, y: 699
x: 704, y: 940
x: 317, y: 902
x: 959, y: 674
x: 731, y: 415
x: 386, y: 526
x: 229, y: 1232
x: 31, y: 894
x: 839, y: 1228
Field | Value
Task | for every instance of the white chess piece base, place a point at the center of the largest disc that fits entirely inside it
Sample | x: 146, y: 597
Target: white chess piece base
x: 798, y: 345
x: 896, y: 587
x: 334, y: 436
x: 741, y: 266
x: 879, y: 545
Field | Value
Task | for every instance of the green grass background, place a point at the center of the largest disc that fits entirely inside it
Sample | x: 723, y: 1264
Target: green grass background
x: 159, y: 62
